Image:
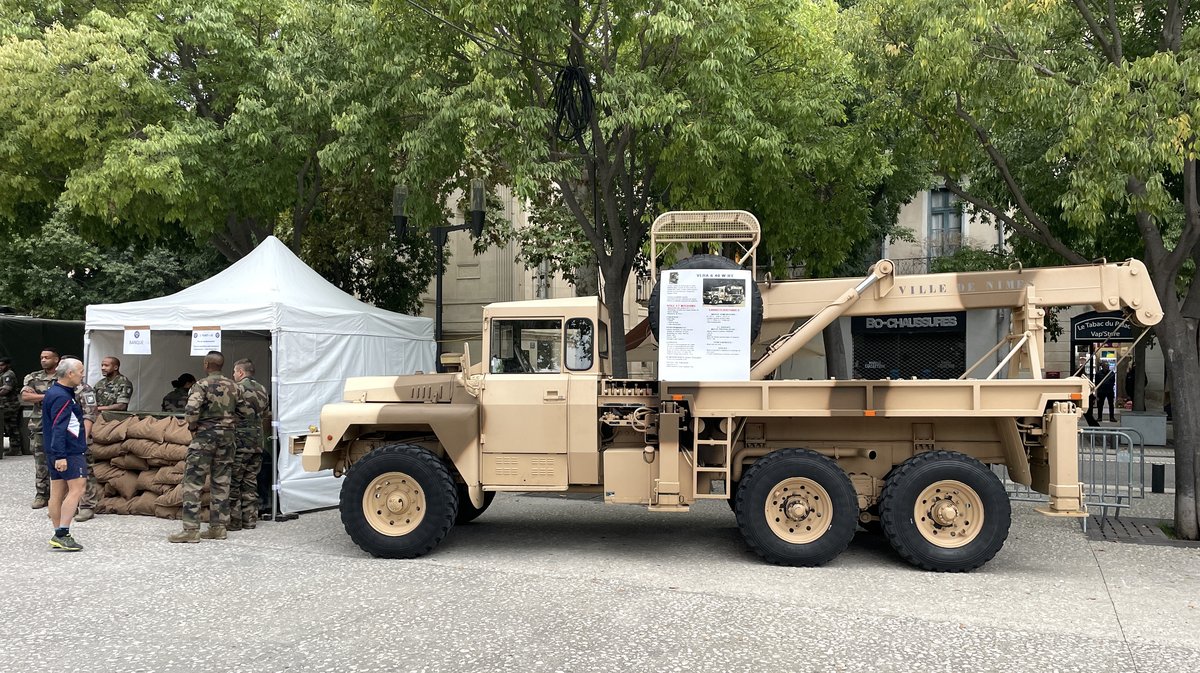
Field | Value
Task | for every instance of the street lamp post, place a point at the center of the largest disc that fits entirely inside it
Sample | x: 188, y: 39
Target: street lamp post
x: 440, y: 234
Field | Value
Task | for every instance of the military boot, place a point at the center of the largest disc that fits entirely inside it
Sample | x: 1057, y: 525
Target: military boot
x: 39, y: 502
x: 185, y: 535
x: 84, y: 514
x: 216, y: 532
x: 234, y: 526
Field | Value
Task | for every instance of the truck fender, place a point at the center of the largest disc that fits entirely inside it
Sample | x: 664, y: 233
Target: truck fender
x: 456, y: 427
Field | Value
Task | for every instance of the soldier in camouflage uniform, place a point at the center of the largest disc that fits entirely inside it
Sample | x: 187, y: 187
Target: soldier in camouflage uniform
x: 209, y: 414
x: 243, y: 493
x: 177, y: 399
x: 114, y: 391
x: 35, y: 387
x: 10, y: 409
x: 87, y: 398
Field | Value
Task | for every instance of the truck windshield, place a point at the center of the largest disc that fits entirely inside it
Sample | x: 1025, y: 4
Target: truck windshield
x: 526, y: 347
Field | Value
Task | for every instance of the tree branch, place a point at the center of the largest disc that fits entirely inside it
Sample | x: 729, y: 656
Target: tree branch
x: 1031, y: 233
x: 1001, y: 164
x: 1114, y: 29
x: 1189, y: 238
x: 1094, y: 26
x: 590, y: 230
x: 1016, y: 57
x: 1172, y: 28
x: 1156, y: 250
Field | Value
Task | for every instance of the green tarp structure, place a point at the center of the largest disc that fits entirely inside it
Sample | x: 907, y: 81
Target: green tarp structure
x: 22, y: 339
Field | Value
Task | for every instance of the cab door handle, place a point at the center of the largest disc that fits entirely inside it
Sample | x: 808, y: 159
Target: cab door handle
x: 553, y: 396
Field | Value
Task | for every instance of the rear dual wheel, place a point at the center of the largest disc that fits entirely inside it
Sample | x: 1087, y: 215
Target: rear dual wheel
x: 945, y: 511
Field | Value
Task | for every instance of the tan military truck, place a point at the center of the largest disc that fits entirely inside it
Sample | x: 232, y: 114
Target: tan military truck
x: 802, y: 462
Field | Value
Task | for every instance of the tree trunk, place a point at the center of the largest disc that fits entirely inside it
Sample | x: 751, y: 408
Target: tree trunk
x: 1178, y: 339
x: 614, y: 299
x: 1138, y: 393
x: 835, y: 351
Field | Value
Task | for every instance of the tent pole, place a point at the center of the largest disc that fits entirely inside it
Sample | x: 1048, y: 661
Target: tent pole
x: 274, y: 348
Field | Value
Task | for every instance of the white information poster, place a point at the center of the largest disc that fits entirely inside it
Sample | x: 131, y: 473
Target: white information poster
x: 205, y: 339
x: 137, y: 341
x: 704, y: 325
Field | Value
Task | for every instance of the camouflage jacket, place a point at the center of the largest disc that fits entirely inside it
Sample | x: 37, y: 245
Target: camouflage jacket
x: 12, y: 398
x: 86, y: 397
x: 176, y: 400
x: 212, y: 403
x: 117, y: 390
x: 38, y: 382
x: 257, y: 403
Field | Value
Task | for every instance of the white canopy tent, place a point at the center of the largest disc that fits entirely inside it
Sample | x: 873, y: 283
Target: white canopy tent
x: 272, y: 308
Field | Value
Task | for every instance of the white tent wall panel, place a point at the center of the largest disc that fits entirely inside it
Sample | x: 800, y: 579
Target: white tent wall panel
x: 312, y: 370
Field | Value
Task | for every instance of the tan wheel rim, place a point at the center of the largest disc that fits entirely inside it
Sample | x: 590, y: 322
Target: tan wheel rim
x: 798, y: 510
x: 394, y: 504
x: 949, y: 513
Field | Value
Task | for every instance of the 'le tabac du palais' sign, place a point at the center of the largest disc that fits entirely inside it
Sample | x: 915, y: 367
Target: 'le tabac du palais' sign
x: 1099, y: 327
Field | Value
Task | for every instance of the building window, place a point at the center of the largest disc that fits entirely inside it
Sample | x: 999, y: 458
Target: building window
x: 945, y: 223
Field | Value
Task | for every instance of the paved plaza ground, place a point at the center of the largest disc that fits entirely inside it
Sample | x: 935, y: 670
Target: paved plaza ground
x: 545, y: 584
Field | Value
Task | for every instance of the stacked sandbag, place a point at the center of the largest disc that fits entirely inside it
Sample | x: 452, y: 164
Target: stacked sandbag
x: 140, y: 462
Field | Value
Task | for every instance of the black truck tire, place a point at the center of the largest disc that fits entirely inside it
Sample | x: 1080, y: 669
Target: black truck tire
x: 398, y: 501
x: 796, y: 507
x: 468, y: 512
x: 945, y: 511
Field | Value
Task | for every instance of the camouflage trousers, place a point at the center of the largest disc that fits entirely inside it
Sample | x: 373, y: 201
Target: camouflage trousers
x: 10, y: 427
x: 210, y: 455
x: 41, y: 473
x: 243, y: 489
x: 91, y: 495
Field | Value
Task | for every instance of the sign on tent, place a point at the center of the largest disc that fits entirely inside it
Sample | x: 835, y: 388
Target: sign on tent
x: 205, y: 339
x: 137, y: 340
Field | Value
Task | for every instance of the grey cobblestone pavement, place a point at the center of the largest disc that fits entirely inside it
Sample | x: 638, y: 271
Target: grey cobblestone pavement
x: 549, y: 584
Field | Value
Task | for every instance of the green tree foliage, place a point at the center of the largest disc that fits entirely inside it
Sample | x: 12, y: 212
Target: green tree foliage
x: 696, y: 105
x: 50, y: 271
x: 1071, y: 122
x: 216, y: 121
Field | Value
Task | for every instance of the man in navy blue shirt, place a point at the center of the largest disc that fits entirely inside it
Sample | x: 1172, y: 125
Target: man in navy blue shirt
x: 65, y: 446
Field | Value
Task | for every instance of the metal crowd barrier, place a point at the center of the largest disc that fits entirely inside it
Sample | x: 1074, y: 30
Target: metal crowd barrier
x: 1112, y: 467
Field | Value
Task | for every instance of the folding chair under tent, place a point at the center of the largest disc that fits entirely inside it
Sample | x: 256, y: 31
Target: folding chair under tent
x: 305, y: 336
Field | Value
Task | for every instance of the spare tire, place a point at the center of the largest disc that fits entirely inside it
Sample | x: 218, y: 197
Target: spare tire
x: 718, y: 263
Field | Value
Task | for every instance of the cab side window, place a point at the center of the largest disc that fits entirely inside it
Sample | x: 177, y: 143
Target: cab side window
x: 581, y: 341
x: 526, y: 347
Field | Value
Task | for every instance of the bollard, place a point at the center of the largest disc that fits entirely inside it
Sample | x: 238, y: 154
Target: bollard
x: 1158, y: 478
